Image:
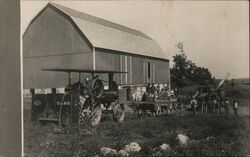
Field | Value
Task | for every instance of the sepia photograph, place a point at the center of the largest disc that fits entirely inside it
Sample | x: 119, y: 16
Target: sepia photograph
x: 135, y: 78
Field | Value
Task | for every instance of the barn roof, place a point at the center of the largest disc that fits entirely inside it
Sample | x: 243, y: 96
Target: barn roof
x: 108, y: 35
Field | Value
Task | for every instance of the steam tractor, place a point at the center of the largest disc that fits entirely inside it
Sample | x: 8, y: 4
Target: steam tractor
x: 81, y: 100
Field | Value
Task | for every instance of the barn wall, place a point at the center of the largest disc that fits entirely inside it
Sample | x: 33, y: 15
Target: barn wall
x: 51, y: 41
x: 53, y: 34
x: 34, y: 77
x: 107, y: 61
x: 137, y: 70
x: 110, y: 60
x: 162, y: 72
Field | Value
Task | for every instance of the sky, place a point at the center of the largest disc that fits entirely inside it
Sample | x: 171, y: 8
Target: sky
x: 215, y: 33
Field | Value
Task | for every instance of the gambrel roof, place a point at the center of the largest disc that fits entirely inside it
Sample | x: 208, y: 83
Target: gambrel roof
x: 111, y: 36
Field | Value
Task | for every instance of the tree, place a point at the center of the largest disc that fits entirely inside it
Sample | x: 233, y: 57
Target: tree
x: 185, y: 72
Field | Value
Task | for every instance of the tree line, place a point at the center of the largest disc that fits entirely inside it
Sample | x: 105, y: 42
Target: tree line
x: 186, y: 73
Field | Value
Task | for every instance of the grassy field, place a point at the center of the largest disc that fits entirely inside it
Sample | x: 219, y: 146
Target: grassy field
x: 210, y: 135
x: 213, y: 135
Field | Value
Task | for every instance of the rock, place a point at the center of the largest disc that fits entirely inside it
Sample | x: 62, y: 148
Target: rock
x: 108, y: 151
x: 182, y: 139
x: 132, y: 147
x: 165, y: 147
x: 123, y: 153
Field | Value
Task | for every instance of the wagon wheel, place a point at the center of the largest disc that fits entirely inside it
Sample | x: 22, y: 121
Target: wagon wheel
x: 119, y: 113
x: 96, y: 115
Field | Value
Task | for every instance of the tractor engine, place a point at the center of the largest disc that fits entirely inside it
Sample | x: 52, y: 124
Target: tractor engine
x: 95, y: 88
x: 105, y: 96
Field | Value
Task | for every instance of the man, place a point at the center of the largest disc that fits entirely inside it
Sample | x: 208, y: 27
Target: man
x: 226, y: 105
x: 235, y: 108
x: 153, y: 89
x: 95, y: 76
x: 148, y: 88
x: 144, y: 97
x: 172, y: 93
x: 158, y: 90
x: 215, y: 104
x: 194, y: 105
x: 166, y: 87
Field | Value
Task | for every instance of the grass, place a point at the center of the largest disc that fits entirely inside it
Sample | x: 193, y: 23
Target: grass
x: 228, y: 136
x: 211, y: 135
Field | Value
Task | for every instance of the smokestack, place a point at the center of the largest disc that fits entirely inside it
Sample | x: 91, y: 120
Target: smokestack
x: 227, y: 75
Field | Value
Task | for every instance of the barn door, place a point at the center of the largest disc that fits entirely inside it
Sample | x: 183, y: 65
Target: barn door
x: 149, y: 72
x: 126, y: 66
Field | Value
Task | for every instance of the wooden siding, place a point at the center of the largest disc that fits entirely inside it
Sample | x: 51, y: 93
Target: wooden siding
x: 162, y: 72
x: 161, y: 68
x: 137, y: 64
x: 53, y: 34
x: 34, y: 77
x: 51, y: 41
x: 107, y: 61
x: 113, y: 60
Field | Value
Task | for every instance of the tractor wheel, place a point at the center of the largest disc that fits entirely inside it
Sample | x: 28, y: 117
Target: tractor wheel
x: 96, y: 116
x: 119, y: 113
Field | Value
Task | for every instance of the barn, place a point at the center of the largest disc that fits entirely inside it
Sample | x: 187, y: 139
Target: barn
x: 60, y: 37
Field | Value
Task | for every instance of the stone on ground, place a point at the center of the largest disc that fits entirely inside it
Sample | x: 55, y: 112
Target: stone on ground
x: 132, y: 147
x: 165, y: 147
x: 108, y: 151
x: 123, y: 153
x: 182, y: 139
